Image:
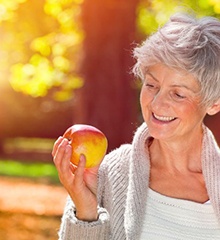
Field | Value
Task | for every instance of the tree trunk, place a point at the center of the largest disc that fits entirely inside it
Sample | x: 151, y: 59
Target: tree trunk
x: 108, y: 99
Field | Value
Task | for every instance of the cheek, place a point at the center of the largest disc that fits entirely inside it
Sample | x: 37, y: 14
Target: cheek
x: 145, y: 101
x: 145, y: 97
x: 191, y: 111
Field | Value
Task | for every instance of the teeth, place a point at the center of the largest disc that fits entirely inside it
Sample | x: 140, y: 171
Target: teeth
x: 164, y: 118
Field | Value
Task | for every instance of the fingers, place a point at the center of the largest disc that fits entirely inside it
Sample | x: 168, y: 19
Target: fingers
x: 64, y: 160
x: 62, y: 154
x: 79, y: 172
x: 56, y: 145
x: 73, y: 168
x: 68, y: 173
x: 60, y: 149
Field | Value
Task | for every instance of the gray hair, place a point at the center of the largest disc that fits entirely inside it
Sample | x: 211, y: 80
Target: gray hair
x: 188, y: 44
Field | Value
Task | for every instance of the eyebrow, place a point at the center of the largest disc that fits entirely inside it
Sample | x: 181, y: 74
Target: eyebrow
x: 174, y: 85
x: 148, y: 73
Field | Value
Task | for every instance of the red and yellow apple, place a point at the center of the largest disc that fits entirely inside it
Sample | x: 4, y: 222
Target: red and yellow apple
x: 86, y: 140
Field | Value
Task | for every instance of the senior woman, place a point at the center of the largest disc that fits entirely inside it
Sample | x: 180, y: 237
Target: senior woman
x: 166, y: 183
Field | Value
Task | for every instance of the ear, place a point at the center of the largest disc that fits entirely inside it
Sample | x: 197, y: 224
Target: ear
x: 214, y: 108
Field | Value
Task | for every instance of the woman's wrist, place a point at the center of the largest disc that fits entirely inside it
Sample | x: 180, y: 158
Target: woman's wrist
x: 89, y: 216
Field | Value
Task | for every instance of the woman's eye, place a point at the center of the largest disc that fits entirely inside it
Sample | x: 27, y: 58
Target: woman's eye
x: 179, y: 95
x: 149, y: 85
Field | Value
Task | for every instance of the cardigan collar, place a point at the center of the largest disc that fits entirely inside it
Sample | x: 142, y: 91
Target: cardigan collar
x: 211, y: 169
x: 139, y: 174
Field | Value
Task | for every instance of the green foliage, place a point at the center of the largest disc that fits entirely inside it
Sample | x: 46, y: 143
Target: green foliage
x: 31, y: 170
x: 154, y: 13
x: 42, y: 40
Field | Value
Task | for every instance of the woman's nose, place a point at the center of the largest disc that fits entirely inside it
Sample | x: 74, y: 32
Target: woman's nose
x: 160, y: 100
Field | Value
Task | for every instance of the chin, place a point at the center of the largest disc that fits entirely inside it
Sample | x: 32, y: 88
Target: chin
x: 161, y: 134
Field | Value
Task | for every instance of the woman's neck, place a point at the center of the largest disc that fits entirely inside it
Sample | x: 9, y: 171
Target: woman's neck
x: 178, y: 155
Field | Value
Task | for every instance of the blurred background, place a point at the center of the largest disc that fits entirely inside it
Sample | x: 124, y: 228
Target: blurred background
x: 64, y: 62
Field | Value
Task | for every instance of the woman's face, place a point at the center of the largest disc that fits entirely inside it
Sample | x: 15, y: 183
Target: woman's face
x: 170, y: 103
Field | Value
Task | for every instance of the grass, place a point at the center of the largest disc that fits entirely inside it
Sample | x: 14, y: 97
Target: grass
x: 30, y: 170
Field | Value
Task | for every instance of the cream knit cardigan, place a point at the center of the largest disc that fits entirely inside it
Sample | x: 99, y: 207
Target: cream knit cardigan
x: 123, y: 188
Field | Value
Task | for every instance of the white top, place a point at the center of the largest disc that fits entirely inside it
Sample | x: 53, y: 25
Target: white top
x: 169, y: 218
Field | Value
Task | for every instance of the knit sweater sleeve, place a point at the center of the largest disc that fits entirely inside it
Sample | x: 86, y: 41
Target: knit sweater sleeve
x: 74, y: 229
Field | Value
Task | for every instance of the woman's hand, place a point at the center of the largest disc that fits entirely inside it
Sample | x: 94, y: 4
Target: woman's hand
x: 80, y: 183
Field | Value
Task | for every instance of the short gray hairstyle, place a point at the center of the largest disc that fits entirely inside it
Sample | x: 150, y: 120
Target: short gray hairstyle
x: 187, y: 43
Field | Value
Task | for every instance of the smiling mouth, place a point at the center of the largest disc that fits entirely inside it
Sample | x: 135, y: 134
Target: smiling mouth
x: 164, y: 118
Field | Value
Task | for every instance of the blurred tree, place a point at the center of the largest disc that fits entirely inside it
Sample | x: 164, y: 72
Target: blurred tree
x: 40, y: 42
x: 108, y: 99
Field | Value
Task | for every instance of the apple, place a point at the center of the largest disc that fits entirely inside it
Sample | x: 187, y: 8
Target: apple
x: 86, y: 140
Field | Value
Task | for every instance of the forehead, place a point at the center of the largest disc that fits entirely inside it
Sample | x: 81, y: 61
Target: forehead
x: 164, y: 74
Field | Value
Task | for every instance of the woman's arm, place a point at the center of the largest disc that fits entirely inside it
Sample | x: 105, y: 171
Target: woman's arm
x: 82, y: 218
